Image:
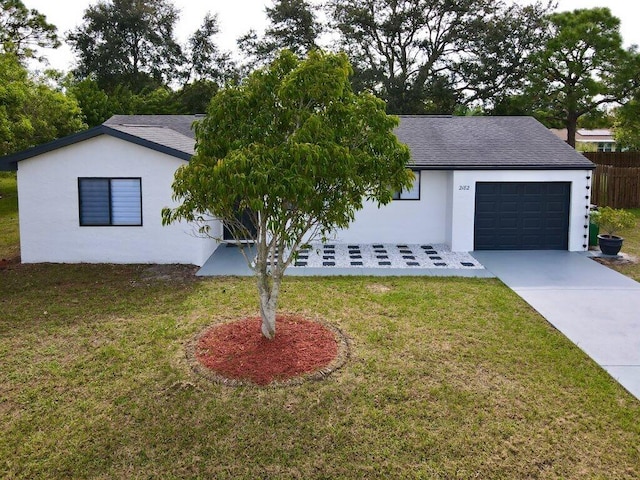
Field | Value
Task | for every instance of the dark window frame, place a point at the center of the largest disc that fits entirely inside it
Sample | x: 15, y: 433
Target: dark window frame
x: 398, y: 195
x: 110, y: 203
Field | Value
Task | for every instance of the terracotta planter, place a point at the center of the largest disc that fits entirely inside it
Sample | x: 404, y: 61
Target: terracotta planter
x: 610, y: 244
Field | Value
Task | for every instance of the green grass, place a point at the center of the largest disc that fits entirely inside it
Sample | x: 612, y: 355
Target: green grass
x: 9, y: 237
x: 448, y: 378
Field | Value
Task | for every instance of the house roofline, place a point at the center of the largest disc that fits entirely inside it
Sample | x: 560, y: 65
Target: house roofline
x: 502, y: 167
x: 10, y: 162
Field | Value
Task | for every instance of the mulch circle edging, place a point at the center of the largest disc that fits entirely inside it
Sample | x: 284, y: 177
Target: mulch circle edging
x: 247, y: 331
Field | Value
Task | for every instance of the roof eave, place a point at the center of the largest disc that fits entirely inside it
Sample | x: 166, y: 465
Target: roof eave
x: 9, y: 162
x: 504, y: 167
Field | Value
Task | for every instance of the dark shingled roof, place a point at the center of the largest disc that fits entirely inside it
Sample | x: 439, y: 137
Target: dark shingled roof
x: 436, y: 142
x: 179, y: 123
x: 464, y: 143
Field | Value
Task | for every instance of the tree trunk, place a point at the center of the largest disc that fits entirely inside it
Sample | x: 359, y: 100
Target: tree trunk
x: 268, y: 292
x: 572, y: 127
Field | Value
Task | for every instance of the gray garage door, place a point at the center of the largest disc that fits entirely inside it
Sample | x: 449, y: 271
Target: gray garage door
x: 522, y: 216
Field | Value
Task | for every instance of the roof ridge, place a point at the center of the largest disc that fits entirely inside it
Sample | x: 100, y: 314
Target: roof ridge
x: 137, y: 125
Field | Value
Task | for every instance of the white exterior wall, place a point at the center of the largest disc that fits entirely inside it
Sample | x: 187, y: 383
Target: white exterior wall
x: 50, y: 228
x: 463, y: 187
x: 404, y: 221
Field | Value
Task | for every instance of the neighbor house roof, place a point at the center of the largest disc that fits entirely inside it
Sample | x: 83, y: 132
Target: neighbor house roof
x: 472, y: 143
x: 436, y: 142
x: 585, y: 135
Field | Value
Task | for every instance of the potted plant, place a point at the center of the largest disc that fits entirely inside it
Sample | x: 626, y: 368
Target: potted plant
x: 611, y: 221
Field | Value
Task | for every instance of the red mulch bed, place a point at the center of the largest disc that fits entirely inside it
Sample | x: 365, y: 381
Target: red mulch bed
x: 239, y: 351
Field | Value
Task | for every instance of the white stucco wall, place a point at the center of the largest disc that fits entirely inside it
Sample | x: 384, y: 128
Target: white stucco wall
x: 50, y: 229
x: 404, y: 221
x: 445, y: 212
x: 463, y: 188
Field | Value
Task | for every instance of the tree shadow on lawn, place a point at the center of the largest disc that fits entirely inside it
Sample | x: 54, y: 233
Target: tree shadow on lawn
x: 37, y: 295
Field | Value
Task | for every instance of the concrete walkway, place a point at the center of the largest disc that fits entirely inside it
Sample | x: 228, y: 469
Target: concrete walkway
x: 597, y: 308
x: 228, y: 260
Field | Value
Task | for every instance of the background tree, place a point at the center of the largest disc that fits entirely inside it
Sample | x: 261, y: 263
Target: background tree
x: 95, y: 104
x: 295, y: 150
x: 627, y: 126
x: 498, y: 54
x: 205, y: 61
x: 423, y: 55
x: 195, y: 97
x: 23, y: 29
x: 98, y: 105
x: 581, y: 67
x: 31, y: 112
x: 293, y: 25
x: 128, y: 43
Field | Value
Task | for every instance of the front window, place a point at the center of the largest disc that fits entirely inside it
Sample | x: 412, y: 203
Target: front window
x: 110, y: 201
x: 412, y: 193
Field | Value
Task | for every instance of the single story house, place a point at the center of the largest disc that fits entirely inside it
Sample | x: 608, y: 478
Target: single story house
x: 481, y: 183
x: 596, y: 140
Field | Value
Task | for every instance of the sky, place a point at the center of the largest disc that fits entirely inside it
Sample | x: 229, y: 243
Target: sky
x: 236, y: 17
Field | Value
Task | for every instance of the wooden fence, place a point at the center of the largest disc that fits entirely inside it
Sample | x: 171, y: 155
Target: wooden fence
x: 616, y: 179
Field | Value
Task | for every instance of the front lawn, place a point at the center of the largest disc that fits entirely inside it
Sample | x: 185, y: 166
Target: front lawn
x: 448, y: 378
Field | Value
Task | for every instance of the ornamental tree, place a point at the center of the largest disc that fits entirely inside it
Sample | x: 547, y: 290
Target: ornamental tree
x: 284, y: 158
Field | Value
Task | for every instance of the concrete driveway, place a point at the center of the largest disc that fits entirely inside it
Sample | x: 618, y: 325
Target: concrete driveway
x: 597, y: 308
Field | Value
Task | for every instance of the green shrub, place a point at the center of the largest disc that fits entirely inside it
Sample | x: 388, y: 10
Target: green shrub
x: 612, y: 220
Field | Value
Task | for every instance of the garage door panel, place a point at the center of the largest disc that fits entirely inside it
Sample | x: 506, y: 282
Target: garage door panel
x: 486, y: 206
x: 530, y: 188
x: 507, y: 207
x: 529, y: 223
x: 558, y: 188
x: 522, y: 215
x: 507, y: 188
x: 508, y: 223
x: 532, y: 207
